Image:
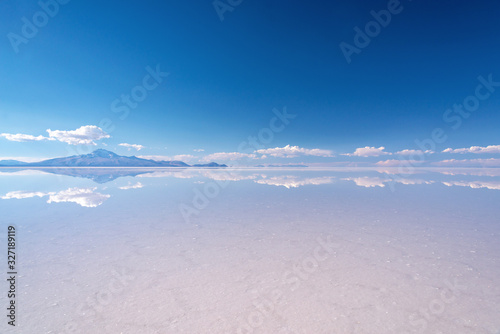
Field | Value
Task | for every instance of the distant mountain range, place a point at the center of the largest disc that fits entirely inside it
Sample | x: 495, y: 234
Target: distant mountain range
x: 102, y: 158
x: 11, y: 163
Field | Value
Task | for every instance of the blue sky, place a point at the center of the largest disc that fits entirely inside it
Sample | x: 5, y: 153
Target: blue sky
x: 225, y: 78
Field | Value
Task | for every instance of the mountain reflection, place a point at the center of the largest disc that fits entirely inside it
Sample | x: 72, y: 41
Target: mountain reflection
x: 98, y: 175
x: 368, y: 178
x: 487, y: 179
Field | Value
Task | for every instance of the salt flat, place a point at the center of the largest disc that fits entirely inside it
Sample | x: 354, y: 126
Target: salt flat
x: 255, y: 251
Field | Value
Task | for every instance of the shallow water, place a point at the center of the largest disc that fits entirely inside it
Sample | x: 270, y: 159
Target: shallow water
x: 253, y: 251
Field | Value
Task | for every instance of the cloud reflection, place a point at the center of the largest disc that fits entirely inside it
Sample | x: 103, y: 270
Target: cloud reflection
x: 367, y: 182
x: 86, y: 197
x: 475, y: 184
x: 138, y: 185
x: 292, y: 181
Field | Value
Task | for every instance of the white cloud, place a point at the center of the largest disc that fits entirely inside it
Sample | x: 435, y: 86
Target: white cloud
x: 399, y: 171
x: 469, y: 163
x: 224, y: 156
x: 130, y: 146
x: 19, y: 137
x: 180, y: 174
x: 294, y: 151
x: 367, y: 182
x: 138, y: 185
x: 397, y: 163
x: 199, y: 150
x: 288, y: 181
x: 23, y: 194
x: 155, y: 157
x: 226, y: 176
x: 414, y: 152
x: 23, y: 172
x: 475, y: 149
x: 368, y: 151
x: 473, y: 171
x: 84, y: 135
x: 86, y: 197
x: 347, y: 165
x: 184, y: 157
x: 24, y: 159
x: 192, y: 173
x: 494, y: 185
x: 180, y: 157
x: 371, y: 182
x: 413, y: 181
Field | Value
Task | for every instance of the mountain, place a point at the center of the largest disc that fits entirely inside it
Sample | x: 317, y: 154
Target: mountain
x: 11, y: 163
x: 102, y: 158
x: 212, y: 164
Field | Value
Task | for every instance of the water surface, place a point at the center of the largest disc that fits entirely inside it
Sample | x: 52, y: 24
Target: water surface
x: 177, y: 250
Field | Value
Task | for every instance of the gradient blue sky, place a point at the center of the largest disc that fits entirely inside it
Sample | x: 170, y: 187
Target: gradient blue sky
x: 225, y: 77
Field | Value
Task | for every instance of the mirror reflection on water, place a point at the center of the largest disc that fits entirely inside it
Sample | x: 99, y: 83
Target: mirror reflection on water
x: 246, y: 250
